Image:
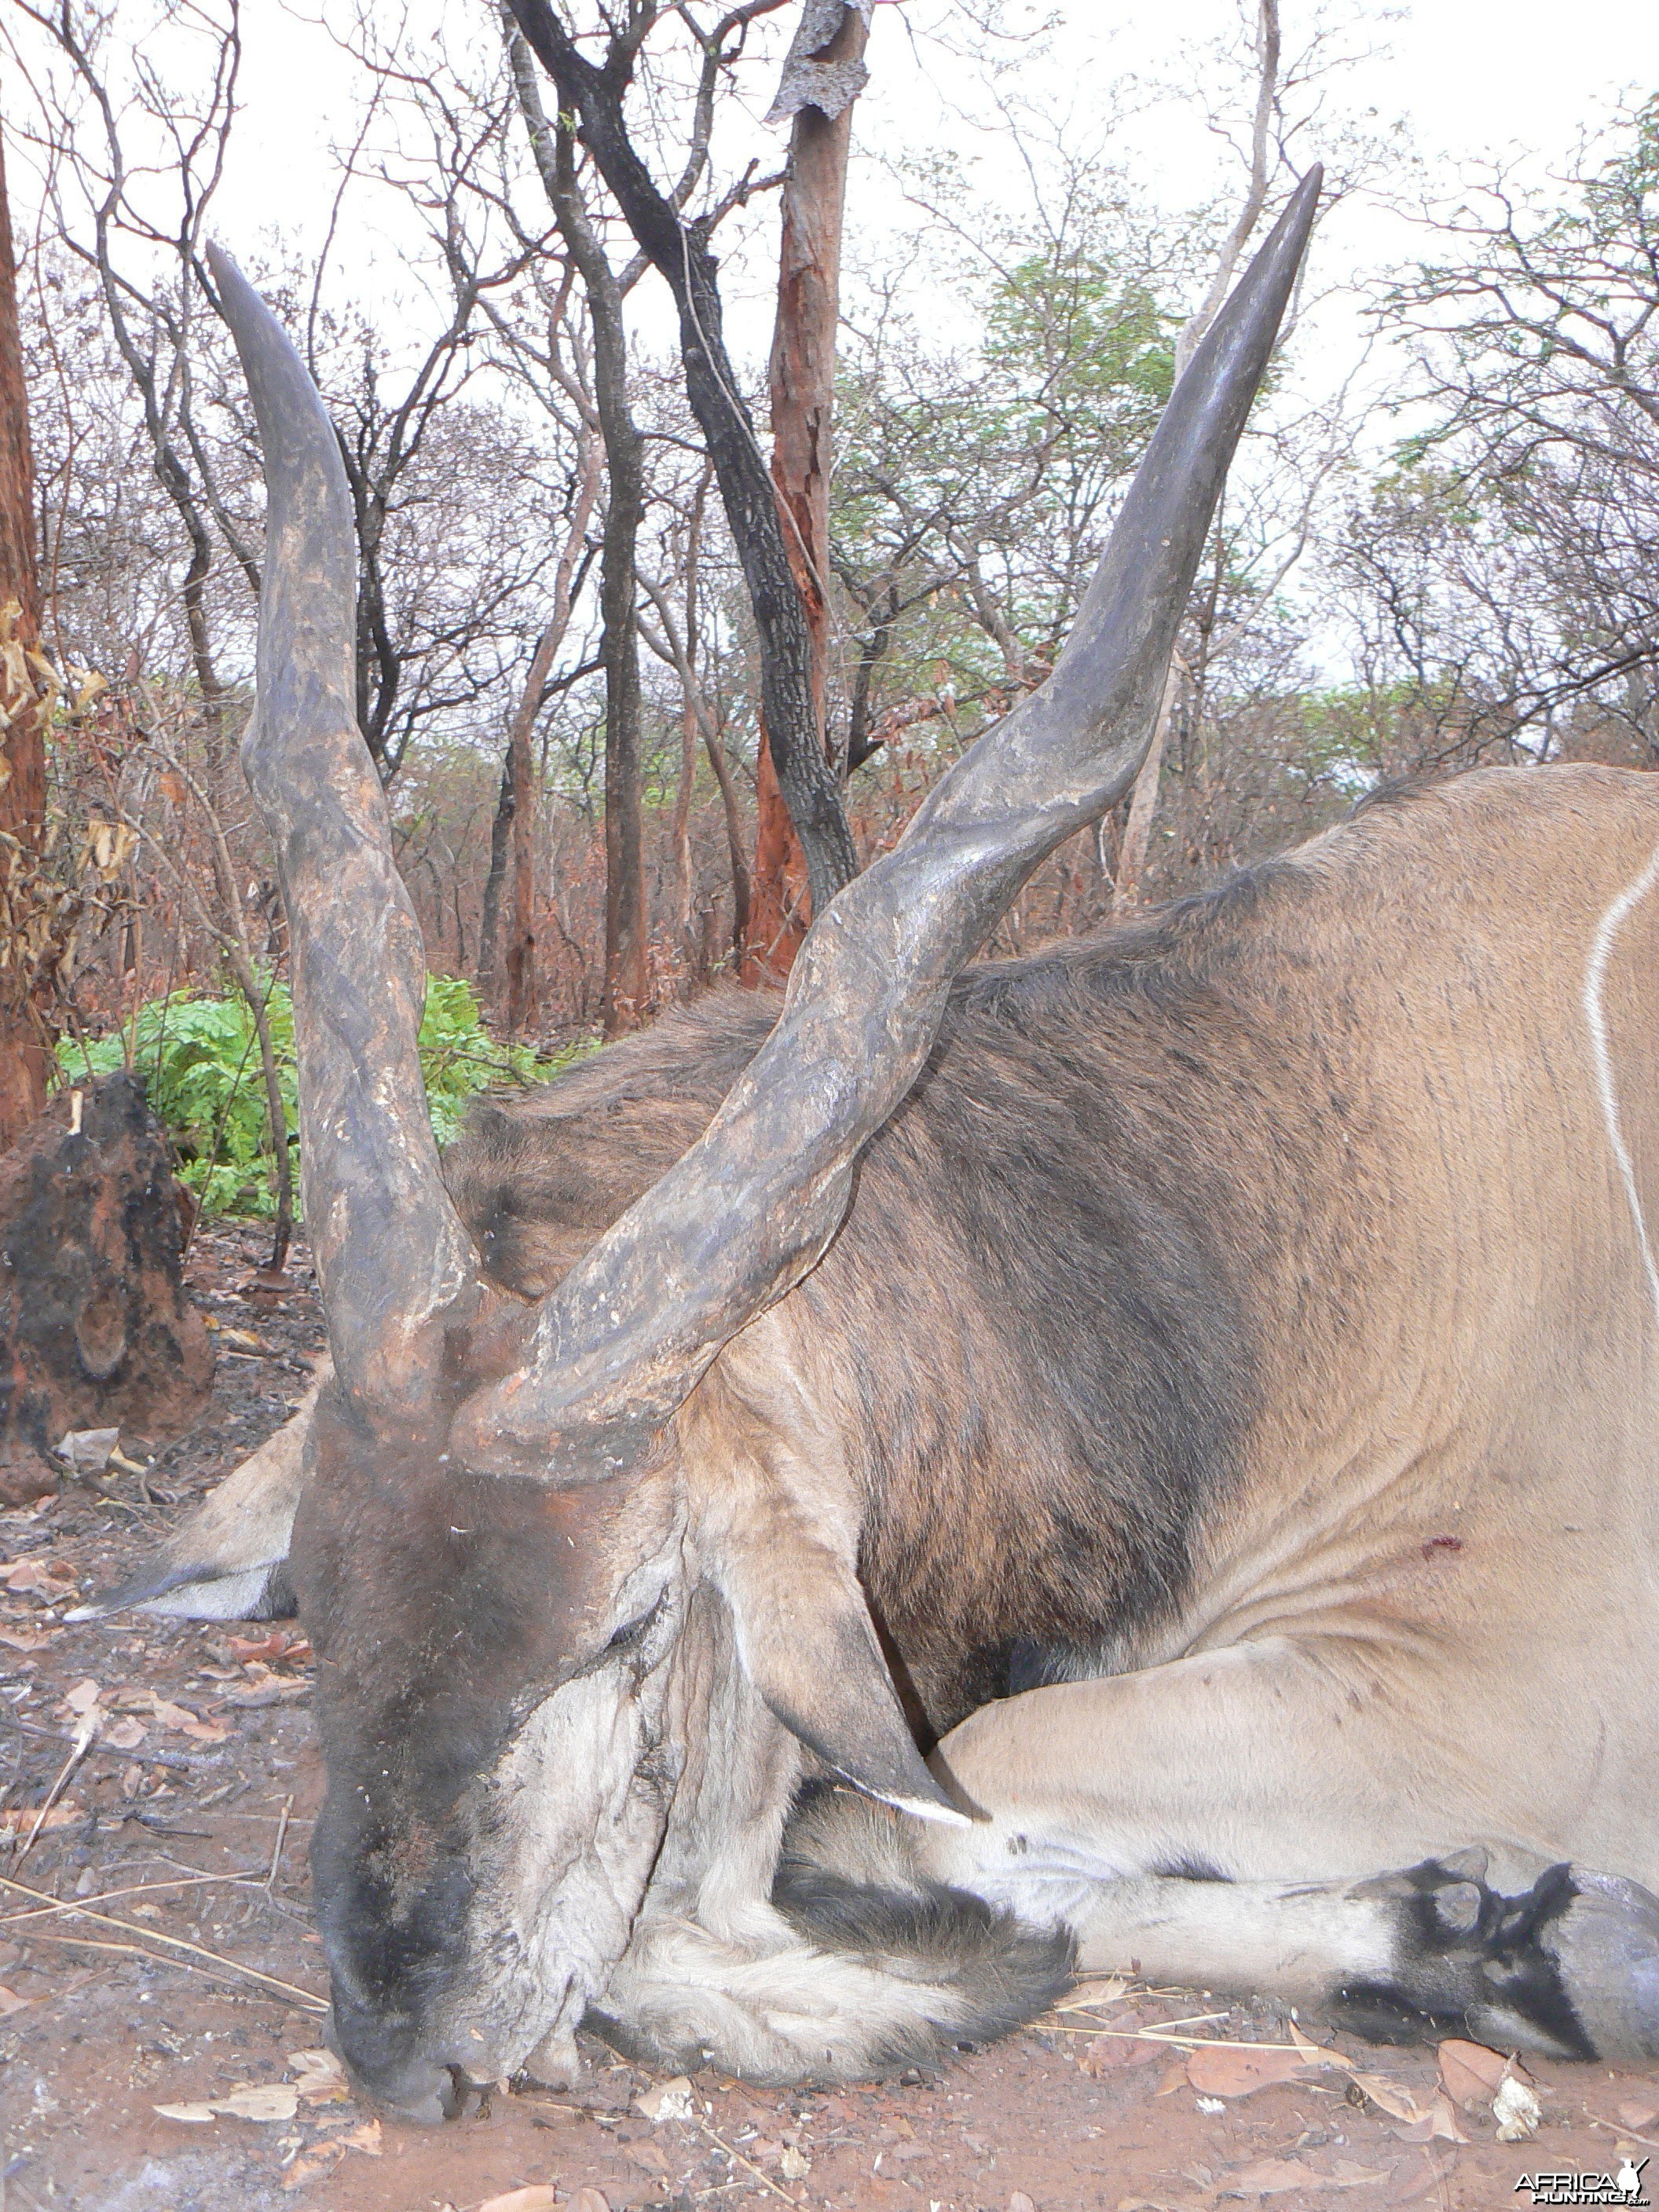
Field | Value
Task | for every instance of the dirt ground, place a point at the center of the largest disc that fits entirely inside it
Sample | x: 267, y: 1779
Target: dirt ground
x: 156, y: 1952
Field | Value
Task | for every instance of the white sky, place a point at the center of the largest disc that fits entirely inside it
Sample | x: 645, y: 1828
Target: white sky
x: 1462, y: 80
x: 1520, y: 78
x: 1467, y: 78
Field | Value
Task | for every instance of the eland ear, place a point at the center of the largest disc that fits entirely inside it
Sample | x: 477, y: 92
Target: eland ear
x: 228, y: 1560
x: 809, y: 1647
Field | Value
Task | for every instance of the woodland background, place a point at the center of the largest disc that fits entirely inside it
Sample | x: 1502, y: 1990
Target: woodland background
x: 1438, y: 546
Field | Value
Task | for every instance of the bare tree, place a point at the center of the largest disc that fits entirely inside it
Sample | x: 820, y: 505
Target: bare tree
x: 680, y: 649
x: 1143, y: 804
x: 151, y: 277
x: 1507, y: 562
x: 680, y: 250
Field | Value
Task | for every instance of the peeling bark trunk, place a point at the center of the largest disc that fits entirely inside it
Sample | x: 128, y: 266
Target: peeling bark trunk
x: 25, y: 703
x: 519, y: 780
x: 803, y: 387
x: 740, y: 895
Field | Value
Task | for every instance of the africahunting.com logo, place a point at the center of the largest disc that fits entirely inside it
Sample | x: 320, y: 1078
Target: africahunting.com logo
x: 1624, y: 2187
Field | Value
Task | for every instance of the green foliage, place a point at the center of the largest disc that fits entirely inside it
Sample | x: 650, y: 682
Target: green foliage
x: 200, y: 1057
x: 990, y: 475
x: 460, y: 1058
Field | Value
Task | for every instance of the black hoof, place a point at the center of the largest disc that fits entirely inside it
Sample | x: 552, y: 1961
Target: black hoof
x: 1469, y: 1962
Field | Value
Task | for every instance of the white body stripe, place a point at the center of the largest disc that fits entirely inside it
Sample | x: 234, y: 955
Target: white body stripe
x: 1600, y: 950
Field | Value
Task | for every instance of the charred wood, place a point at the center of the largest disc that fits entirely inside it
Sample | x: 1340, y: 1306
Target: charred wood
x: 96, y: 1328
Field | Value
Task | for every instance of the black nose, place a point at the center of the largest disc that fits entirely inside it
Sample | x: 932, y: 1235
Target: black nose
x: 382, y: 2064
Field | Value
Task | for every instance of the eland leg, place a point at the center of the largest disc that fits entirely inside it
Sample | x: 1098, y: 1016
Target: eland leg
x: 1295, y: 1819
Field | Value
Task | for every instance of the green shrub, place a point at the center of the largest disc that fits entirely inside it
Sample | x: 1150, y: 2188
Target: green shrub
x: 200, y: 1058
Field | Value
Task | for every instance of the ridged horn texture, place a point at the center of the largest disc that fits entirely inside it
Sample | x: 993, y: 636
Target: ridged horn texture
x: 392, y: 1258
x: 750, y: 1207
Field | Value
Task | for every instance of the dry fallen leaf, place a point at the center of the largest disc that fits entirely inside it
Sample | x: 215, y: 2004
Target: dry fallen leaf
x: 540, y: 2197
x: 668, y: 2100
x: 365, y: 2138
x: 311, y: 2164
x: 18, y: 1819
x: 1639, y: 2112
x: 795, y: 2164
x: 322, y: 2078
x: 48, y: 1578
x: 188, y: 1724
x: 1231, y: 2069
x: 89, y: 1451
x: 126, y: 1735
x: 284, y: 1643
x: 10, y: 2002
x: 195, y: 2115
x: 1392, y: 2097
x: 1020, y: 2202
x: 1105, y: 2053
x: 275, y: 1690
x: 1269, y: 2177
x: 275, y: 2100
x: 27, y: 1639
x: 1437, y: 2121
x: 1470, y: 2073
x: 585, y: 2200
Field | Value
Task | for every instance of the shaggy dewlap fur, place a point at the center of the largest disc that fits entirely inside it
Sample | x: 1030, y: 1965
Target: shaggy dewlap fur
x: 857, y: 1969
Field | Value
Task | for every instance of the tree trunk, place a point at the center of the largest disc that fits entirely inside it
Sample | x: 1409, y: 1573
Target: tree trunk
x: 513, y: 832
x: 688, y: 724
x: 625, y: 912
x: 680, y: 251
x: 672, y: 647
x: 25, y: 703
x: 520, y: 964
x: 623, y: 1003
x: 1143, y: 806
x: 803, y: 390
x: 501, y: 840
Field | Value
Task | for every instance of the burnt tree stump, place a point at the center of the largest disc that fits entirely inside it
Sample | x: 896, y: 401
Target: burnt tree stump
x: 96, y: 1330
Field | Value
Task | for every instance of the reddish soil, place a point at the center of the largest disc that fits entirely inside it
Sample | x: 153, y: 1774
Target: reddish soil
x: 190, y: 1820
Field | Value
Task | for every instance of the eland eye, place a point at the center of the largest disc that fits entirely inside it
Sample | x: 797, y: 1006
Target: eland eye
x: 632, y: 1633
x: 624, y: 1638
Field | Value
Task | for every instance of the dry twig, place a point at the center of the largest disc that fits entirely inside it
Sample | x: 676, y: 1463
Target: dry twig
x: 217, y: 1961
